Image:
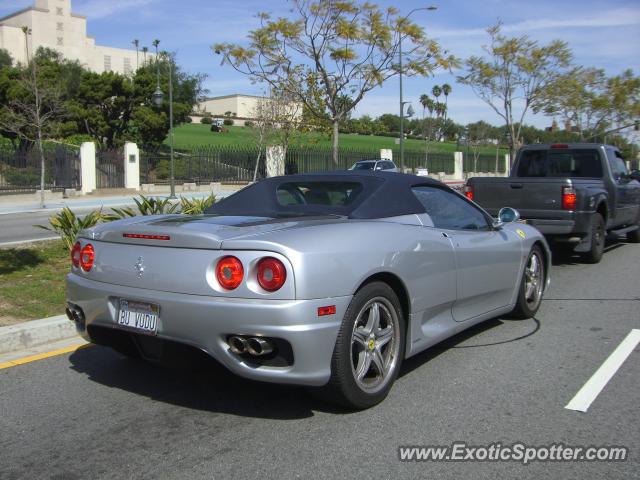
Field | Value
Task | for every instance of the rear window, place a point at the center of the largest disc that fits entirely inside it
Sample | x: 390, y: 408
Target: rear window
x: 560, y: 163
x: 364, y: 166
x: 318, y: 193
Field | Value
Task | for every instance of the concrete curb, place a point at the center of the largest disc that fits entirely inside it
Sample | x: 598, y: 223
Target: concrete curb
x: 37, y: 332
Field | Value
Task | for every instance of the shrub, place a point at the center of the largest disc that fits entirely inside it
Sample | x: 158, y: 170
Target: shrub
x: 206, y: 120
x: 78, y: 139
x: 249, y: 123
x: 68, y: 225
x: 228, y: 121
x: 188, y: 119
x: 196, y: 206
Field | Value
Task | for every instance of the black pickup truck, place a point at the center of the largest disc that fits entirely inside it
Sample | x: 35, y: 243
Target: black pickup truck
x: 573, y: 193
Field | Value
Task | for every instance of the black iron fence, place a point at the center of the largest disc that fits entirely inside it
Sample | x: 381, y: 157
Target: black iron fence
x: 237, y: 163
x: 483, y: 162
x: 20, y: 171
x: 110, y: 169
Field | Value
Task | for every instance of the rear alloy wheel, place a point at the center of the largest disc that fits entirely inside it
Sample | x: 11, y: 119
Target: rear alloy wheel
x: 369, y: 349
x: 598, y: 236
x: 531, y: 285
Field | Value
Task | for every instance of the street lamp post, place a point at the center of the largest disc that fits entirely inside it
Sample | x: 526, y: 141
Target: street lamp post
x: 402, y: 102
x: 158, y: 97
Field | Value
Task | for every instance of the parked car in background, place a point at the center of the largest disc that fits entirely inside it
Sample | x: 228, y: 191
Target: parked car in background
x: 317, y: 280
x: 383, y: 164
x: 573, y: 193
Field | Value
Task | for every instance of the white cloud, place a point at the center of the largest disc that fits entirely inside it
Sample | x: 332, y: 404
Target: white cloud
x: 615, y: 18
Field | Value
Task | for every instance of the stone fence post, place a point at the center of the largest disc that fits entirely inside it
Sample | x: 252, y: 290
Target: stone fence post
x: 131, y: 166
x: 88, y: 167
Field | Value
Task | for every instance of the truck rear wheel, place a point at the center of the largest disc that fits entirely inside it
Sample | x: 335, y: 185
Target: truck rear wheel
x: 598, y: 235
x: 634, y: 237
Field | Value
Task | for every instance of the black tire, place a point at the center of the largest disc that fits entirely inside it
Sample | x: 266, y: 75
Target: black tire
x: 529, y: 301
x: 598, y: 236
x: 344, y: 387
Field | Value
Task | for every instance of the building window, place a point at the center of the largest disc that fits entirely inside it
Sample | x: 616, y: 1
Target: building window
x: 59, y: 11
x: 60, y: 41
x: 107, y: 63
x: 127, y: 66
x: 60, y: 26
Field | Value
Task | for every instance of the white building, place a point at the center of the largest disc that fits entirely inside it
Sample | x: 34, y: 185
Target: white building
x: 54, y: 25
x: 241, y: 106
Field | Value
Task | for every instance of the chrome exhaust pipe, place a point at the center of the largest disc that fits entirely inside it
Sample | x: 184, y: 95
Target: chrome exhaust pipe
x: 259, y: 346
x: 237, y: 345
x: 75, y: 314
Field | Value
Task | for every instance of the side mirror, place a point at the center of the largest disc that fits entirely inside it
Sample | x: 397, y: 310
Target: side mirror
x: 506, y: 215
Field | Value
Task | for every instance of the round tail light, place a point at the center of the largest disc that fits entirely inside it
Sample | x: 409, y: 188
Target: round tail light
x: 87, y: 255
x: 75, y: 255
x: 229, y: 272
x: 271, y: 274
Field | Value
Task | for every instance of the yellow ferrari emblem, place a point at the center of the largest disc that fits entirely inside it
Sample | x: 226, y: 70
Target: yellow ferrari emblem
x: 521, y: 233
x: 372, y: 344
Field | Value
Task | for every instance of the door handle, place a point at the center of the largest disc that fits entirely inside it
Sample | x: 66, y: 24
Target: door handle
x: 516, y: 185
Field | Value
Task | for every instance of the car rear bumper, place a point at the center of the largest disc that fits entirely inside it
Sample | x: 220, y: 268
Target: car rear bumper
x: 578, y: 225
x: 207, y: 322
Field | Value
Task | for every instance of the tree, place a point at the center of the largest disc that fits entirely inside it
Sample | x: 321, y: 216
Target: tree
x: 33, y: 109
x: 446, y: 90
x: 514, y: 75
x: 136, y: 43
x: 478, y: 134
x: 5, y: 58
x: 591, y: 102
x: 340, y: 49
x: 114, y: 109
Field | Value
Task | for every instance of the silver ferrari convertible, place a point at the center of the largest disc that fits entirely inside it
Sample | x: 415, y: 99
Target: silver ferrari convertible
x: 323, y: 280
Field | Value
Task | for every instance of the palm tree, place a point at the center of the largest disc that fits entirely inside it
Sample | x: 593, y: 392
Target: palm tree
x: 446, y: 89
x: 144, y: 52
x: 436, y: 91
x: 136, y: 43
x: 155, y: 43
x: 427, y: 103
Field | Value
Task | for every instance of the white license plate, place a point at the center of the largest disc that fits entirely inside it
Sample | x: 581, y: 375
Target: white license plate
x: 138, y: 316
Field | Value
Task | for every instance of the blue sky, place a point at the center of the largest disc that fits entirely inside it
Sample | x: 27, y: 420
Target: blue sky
x: 601, y: 33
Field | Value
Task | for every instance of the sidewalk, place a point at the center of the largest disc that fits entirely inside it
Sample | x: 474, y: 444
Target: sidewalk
x: 12, y: 204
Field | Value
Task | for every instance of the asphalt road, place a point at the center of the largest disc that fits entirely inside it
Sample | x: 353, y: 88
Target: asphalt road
x: 95, y: 414
x: 19, y: 227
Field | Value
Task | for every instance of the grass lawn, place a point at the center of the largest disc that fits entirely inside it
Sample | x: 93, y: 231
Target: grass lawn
x: 32, y: 281
x: 194, y: 134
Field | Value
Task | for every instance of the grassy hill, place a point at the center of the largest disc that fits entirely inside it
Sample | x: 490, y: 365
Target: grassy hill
x: 192, y: 135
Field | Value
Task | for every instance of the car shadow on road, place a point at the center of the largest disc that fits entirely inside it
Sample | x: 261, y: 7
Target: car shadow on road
x: 532, y: 326
x: 198, y: 382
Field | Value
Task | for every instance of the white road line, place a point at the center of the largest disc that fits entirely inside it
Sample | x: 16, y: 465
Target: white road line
x: 30, y: 240
x: 590, y: 390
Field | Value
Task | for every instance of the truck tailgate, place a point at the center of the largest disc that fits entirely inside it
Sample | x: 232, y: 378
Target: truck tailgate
x: 538, y: 197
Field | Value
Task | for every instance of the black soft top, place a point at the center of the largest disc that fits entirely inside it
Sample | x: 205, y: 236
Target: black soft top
x: 383, y: 194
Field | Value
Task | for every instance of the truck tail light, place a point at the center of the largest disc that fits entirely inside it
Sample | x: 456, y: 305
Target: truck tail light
x: 87, y: 255
x: 559, y: 145
x: 229, y: 272
x: 75, y: 255
x: 568, y: 198
x: 468, y: 192
x: 271, y: 274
